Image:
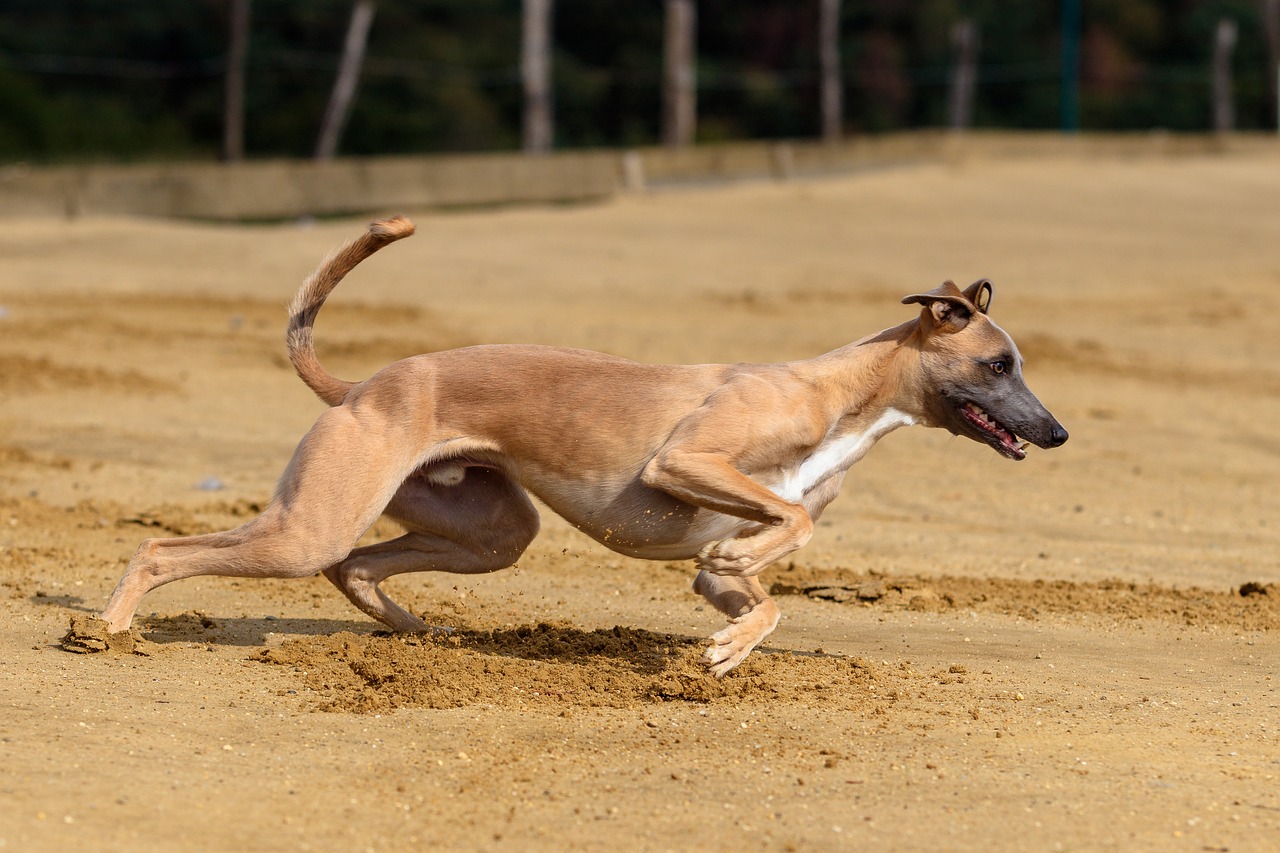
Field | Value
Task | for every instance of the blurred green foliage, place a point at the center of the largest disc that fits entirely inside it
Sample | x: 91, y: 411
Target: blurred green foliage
x: 143, y: 79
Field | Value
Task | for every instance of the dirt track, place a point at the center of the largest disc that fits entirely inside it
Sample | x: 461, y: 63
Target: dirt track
x: 1078, y: 651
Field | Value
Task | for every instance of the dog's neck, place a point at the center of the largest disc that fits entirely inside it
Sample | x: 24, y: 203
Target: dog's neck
x: 871, y: 376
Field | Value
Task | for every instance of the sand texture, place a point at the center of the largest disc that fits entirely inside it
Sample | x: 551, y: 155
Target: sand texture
x: 1079, y: 651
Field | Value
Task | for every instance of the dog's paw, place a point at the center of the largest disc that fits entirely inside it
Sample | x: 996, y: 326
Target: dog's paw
x: 730, y: 646
x: 750, y: 553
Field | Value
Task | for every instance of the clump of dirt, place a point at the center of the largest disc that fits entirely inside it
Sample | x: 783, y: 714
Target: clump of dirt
x: 549, y: 665
x: 89, y: 634
x: 1251, y: 608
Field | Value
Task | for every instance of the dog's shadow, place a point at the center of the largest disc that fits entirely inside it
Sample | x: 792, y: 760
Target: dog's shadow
x: 638, y: 650
x: 67, y: 602
x: 196, y: 627
x: 244, y: 631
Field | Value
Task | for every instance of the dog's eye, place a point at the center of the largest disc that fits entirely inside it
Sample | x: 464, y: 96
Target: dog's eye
x: 997, y: 367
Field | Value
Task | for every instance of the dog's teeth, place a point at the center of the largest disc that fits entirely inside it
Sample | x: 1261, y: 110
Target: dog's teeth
x: 977, y: 412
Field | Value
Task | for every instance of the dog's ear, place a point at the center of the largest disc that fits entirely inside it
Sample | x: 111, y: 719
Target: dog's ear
x: 946, y: 308
x: 979, y: 293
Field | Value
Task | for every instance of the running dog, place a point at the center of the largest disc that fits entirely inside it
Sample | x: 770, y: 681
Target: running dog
x: 727, y: 465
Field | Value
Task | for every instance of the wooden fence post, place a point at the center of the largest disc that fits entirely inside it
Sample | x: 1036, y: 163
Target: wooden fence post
x: 1069, y: 84
x: 679, y: 93
x: 1271, y: 27
x: 964, y: 75
x: 1224, y: 43
x: 233, y: 97
x: 344, y: 87
x: 831, y: 92
x: 535, y: 73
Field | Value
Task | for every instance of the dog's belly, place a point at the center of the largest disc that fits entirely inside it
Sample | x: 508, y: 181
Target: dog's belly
x: 618, y: 510
x: 671, y: 543
x: 679, y: 544
x: 639, y: 521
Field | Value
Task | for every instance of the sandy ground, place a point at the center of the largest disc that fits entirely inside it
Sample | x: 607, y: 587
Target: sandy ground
x: 1075, y: 652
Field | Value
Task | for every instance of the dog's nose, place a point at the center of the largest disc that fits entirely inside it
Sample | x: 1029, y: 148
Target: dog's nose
x: 1058, y: 436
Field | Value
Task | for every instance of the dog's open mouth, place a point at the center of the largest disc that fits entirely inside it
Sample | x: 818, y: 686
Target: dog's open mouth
x: 997, y: 435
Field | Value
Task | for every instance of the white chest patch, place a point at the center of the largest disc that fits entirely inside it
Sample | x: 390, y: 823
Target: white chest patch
x: 836, y: 453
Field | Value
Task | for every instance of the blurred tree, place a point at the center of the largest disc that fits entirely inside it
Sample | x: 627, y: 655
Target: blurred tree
x: 344, y: 87
x: 100, y: 79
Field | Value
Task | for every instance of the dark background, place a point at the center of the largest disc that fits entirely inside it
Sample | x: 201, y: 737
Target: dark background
x: 84, y: 80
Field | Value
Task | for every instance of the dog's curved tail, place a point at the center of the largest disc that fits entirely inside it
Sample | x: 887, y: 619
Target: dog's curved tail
x: 311, y: 296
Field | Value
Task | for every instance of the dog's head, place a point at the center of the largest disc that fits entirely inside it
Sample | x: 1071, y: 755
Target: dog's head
x: 969, y: 376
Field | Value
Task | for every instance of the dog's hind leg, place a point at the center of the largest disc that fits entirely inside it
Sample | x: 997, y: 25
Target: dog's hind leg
x: 752, y: 616
x: 481, y: 524
x: 337, y: 484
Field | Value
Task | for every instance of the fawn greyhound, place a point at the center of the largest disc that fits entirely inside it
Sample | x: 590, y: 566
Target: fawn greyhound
x: 728, y: 465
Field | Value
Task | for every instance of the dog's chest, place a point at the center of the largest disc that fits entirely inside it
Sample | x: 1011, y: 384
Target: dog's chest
x: 835, y: 454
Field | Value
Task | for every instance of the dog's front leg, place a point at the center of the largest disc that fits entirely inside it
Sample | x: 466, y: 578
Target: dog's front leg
x: 707, y: 479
